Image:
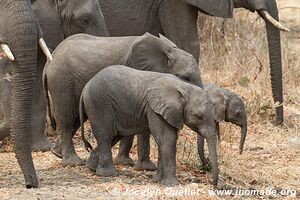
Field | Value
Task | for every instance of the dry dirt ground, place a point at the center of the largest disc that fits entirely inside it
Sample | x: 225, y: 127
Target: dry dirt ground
x: 234, y: 57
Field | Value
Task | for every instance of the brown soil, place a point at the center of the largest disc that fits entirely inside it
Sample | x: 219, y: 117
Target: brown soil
x: 237, y: 61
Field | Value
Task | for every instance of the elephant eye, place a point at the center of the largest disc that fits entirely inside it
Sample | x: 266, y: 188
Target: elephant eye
x: 85, y: 21
x: 199, y: 117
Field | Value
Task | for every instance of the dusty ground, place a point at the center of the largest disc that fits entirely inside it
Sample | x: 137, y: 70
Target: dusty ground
x: 271, y: 159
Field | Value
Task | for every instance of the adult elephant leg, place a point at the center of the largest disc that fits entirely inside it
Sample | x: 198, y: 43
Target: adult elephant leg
x: 144, y: 162
x: 4, y: 130
x: 5, y: 126
x: 124, y: 149
x: 39, y: 139
x: 69, y: 156
x: 179, y: 23
x: 56, y: 149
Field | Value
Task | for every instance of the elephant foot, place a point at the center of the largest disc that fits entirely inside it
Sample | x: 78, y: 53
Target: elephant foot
x: 57, y: 150
x: 72, y: 160
x: 107, y: 172
x: 41, y: 145
x: 124, y: 161
x: 92, y: 162
x: 156, y: 178
x: 145, y: 165
x: 170, y: 181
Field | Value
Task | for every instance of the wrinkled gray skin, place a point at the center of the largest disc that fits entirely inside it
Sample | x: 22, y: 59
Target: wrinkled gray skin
x: 177, y: 20
x: 58, y: 20
x: 20, y: 30
x: 229, y: 107
x: 78, y: 58
x: 135, y: 101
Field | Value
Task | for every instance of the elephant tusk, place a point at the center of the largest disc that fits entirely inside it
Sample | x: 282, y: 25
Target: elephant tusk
x: 45, y: 49
x: 270, y: 19
x: 7, y: 52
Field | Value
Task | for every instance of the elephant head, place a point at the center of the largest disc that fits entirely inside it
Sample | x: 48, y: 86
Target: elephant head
x: 268, y: 10
x: 19, y: 36
x: 186, y: 104
x: 229, y: 107
x: 151, y: 53
x: 235, y: 113
x: 62, y: 18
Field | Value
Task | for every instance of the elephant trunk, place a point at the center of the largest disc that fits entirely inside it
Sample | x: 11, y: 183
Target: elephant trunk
x: 243, y: 137
x: 200, y: 148
x: 212, y: 147
x: 24, y: 46
x: 273, y: 34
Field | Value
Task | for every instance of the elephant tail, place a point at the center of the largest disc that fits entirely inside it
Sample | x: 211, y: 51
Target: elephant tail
x: 87, y: 145
x: 48, y: 100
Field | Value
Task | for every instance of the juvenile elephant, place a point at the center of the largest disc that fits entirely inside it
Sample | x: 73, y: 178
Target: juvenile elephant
x: 58, y: 20
x: 73, y: 67
x: 177, y: 20
x: 229, y: 107
x: 120, y: 101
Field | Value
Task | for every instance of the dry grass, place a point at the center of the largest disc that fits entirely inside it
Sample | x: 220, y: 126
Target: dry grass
x: 235, y: 58
x: 234, y: 55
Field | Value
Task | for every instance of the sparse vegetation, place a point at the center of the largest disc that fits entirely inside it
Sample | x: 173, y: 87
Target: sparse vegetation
x: 233, y: 55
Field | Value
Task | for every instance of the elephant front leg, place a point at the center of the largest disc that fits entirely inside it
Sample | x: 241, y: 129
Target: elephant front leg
x: 159, y: 176
x: 144, y: 162
x: 124, y: 149
x: 168, y: 158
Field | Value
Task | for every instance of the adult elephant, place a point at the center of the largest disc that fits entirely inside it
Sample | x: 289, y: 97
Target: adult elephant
x: 58, y: 20
x: 177, y: 20
x: 19, y: 35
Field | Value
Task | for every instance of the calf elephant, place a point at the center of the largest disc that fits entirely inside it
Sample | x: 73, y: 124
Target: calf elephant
x: 20, y: 34
x: 58, y: 20
x: 177, y: 20
x: 73, y: 67
x: 135, y: 101
x: 229, y: 107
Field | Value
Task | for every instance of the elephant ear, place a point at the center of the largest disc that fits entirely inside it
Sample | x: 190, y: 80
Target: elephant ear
x: 167, y: 99
x: 218, y: 8
x: 219, y: 100
x: 147, y: 54
x: 50, y: 22
x: 167, y: 41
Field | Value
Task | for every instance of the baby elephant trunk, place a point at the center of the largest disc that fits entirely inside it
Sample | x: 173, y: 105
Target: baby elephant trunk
x: 243, y: 137
x: 212, y: 147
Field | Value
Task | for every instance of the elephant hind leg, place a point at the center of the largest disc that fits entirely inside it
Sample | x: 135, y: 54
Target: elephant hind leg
x: 144, y: 162
x: 105, y: 165
x: 124, y: 149
x: 69, y: 156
